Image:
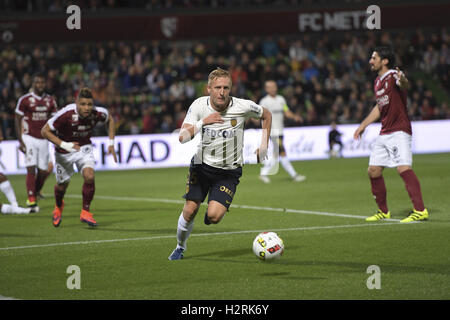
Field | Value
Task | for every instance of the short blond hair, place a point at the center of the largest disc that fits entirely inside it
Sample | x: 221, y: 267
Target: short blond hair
x: 218, y: 73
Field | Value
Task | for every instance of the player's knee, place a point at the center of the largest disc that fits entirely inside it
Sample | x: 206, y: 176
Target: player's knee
x: 88, y: 175
x: 190, y: 209
x: 31, y: 169
x: 215, y: 215
x: 374, y: 172
x: 214, y: 219
x: 401, y: 169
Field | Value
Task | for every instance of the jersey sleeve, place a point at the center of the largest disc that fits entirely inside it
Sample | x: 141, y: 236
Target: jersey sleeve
x: 102, y: 114
x: 254, y: 110
x: 56, y: 121
x: 284, y: 104
x: 193, y: 113
x: 20, y: 107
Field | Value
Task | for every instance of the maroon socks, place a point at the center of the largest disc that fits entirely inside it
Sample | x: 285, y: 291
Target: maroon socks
x: 379, y: 193
x: 88, y: 194
x: 412, y: 185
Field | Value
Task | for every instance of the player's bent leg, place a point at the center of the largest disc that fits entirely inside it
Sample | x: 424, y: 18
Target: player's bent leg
x: 88, y: 191
x: 215, y: 212
x: 60, y: 190
x: 8, y: 190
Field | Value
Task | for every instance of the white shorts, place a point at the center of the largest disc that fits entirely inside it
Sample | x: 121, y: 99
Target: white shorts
x: 37, y: 152
x: 64, y: 162
x: 392, y: 150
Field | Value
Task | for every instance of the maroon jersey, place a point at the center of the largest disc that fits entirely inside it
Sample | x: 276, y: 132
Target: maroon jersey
x: 391, y: 101
x: 70, y: 127
x: 35, y: 111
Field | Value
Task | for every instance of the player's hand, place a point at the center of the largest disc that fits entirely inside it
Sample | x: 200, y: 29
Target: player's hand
x: 399, y: 75
x: 298, y: 118
x: 70, y: 146
x: 213, y: 118
x: 112, y: 151
x: 22, y: 147
x: 261, y: 154
x: 358, y: 133
x: 76, y: 146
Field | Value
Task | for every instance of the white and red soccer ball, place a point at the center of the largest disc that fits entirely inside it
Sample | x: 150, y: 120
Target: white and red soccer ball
x: 268, y: 246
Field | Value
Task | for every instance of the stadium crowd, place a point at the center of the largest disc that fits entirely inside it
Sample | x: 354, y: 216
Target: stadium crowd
x: 148, y: 86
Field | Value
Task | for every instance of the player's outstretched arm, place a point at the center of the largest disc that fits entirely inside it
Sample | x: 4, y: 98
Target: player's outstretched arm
x: 266, y: 125
x: 401, y: 80
x: 373, y: 116
x: 68, y: 146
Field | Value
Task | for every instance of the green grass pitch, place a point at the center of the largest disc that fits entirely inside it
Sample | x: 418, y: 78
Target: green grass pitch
x: 329, y: 246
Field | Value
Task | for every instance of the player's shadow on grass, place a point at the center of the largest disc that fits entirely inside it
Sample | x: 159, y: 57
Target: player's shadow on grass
x: 18, y: 235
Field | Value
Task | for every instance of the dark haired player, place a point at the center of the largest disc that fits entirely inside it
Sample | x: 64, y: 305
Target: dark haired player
x: 32, y: 112
x: 70, y: 130
x: 393, y: 146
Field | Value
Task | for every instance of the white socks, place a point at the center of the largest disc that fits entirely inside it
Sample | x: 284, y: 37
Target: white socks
x: 288, y: 166
x: 8, y: 190
x: 9, y: 209
x: 184, y: 230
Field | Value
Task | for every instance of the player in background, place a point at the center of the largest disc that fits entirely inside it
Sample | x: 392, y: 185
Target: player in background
x: 70, y: 130
x: 8, y: 191
x: 277, y: 105
x: 334, y: 138
x: 217, y: 166
x: 32, y: 112
x: 392, y: 147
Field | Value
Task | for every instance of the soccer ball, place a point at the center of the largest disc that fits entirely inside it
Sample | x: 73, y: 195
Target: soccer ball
x: 268, y: 246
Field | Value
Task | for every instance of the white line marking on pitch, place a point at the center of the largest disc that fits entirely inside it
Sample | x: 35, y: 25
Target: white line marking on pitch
x: 239, y: 206
x: 195, y: 235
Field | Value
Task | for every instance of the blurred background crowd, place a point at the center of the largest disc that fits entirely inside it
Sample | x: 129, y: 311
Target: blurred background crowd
x: 148, y: 86
x: 96, y: 5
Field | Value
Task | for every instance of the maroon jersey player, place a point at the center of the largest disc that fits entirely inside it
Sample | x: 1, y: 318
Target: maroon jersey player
x: 32, y: 112
x: 70, y: 130
x: 392, y: 147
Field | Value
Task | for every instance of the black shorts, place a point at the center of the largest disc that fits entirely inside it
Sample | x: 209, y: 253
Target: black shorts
x: 220, y: 184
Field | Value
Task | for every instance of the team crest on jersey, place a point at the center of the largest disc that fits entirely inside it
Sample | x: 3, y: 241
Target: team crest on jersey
x: 74, y: 117
x: 233, y: 122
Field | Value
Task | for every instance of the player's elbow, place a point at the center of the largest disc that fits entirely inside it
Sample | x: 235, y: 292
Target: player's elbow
x: 44, y: 132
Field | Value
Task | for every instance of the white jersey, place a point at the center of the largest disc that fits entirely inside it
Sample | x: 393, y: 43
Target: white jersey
x: 277, y: 106
x: 222, y: 143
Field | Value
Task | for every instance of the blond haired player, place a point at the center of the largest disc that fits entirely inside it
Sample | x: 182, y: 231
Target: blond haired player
x: 217, y: 166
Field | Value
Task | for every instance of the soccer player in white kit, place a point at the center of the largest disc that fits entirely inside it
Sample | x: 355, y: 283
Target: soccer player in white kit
x: 217, y: 166
x: 277, y: 105
x: 32, y: 112
x: 392, y: 148
x: 8, y: 191
x: 70, y: 130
